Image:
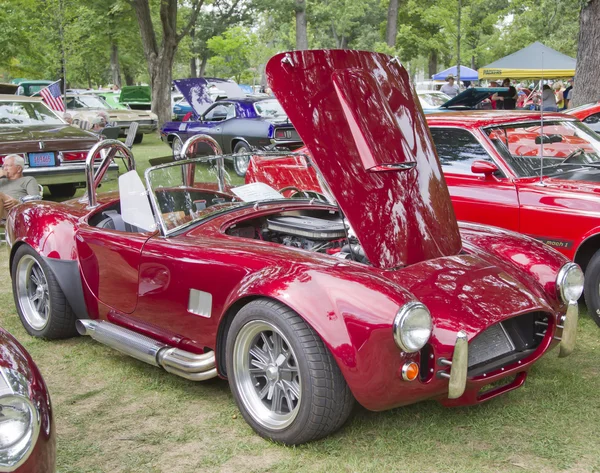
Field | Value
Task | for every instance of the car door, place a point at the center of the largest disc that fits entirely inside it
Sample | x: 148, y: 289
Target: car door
x: 110, y: 261
x: 212, y: 122
x: 489, y: 200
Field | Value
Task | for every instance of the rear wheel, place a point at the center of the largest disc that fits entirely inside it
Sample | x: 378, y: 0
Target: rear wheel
x: 41, y: 303
x: 138, y: 139
x: 240, y: 164
x: 592, y: 287
x: 284, y: 380
x: 62, y: 190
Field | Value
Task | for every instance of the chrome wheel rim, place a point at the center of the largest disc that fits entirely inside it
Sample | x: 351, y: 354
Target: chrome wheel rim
x: 33, y: 293
x: 267, y: 375
x: 242, y: 162
x: 177, y: 146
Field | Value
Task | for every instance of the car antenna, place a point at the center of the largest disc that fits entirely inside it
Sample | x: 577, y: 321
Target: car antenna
x: 542, y: 125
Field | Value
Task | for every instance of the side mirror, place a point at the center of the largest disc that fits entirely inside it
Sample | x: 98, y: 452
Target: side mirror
x: 483, y: 167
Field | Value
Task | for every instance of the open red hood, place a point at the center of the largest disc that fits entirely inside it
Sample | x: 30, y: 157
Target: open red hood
x: 357, y: 114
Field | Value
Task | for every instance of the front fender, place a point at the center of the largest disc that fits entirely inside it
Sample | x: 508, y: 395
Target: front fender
x: 352, y: 311
x: 536, y: 260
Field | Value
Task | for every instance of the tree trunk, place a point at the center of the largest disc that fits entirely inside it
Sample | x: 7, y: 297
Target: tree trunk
x: 433, y: 60
x: 193, y: 72
x: 203, y: 63
x: 586, y: 88
x: 391, y: 30
x: 473, y: 61
x: 115, y: 71
x: 301, y: 34
x: 129, y: 79
x: 160, y: 59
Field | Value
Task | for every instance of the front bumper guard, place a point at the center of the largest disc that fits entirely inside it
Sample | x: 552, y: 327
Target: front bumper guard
x: 569, y: 333
x: 458, y: 367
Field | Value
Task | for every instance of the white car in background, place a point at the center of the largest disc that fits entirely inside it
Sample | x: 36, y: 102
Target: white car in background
x: 432, y: 99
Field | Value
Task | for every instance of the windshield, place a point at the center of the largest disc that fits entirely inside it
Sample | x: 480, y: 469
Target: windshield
x: 567, y: 145
x: 186, y: 192
x: 269, y: 108
x: 27, y: 113
x: 432, y: 100
x: 86, y: 101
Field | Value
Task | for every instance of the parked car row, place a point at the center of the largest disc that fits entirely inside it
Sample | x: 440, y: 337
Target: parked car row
x: 310, y: 299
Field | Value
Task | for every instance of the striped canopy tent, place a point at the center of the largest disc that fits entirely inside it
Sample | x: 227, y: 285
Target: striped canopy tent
x: 533, y: 62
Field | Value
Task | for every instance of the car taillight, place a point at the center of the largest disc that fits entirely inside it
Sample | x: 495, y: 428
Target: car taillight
x: 74, y: 155
x: 283, y: 134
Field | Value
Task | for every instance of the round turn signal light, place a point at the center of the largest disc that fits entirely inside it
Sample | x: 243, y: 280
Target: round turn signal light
x: 410, y: 371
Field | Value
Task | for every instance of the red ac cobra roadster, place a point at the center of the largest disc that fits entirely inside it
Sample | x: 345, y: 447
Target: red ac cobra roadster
x: 305, y: 306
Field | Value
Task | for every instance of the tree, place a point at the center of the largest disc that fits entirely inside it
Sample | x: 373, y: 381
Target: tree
x: 160, y: 58
x: 233, y: 50
x: 392, y: 24
x: 587, y: 84
x: 301, y: 25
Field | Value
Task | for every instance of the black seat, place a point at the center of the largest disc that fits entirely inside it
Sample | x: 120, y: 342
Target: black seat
x: 113, y: 221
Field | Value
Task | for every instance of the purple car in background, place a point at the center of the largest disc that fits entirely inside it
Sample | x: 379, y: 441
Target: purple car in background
x: 240, y: 124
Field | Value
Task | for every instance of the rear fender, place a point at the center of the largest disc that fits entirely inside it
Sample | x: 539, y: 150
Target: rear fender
x: 351, y: 311
x: 52, y: 235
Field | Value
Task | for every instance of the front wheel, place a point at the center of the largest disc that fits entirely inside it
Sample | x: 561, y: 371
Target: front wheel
x: 177, y: 146
x: 592, y: 287
x: 284, y: 380
x: 41, y: 304
x: 138, y: 139
x: 241, y: 163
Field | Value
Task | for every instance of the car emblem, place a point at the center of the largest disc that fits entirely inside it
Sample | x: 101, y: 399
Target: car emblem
x: 42, y: 145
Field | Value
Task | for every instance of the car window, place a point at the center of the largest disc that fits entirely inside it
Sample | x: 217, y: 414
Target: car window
x: 458, y: 149
x: 593, y: 121
x: 220, y: 112
x: 566, y: 145
x: 27, y: 113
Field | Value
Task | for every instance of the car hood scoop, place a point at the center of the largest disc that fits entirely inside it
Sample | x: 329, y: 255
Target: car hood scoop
x: 357, y: 114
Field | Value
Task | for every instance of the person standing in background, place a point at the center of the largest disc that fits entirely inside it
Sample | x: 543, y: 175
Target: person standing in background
x: 567, y: 94
x: 548, y: 99
x: 450, y: 88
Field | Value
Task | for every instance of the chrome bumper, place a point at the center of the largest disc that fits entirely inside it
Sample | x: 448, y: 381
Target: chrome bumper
x: 569, y: 333
x: 457, y: 379
x: 67, y: 174
x: 144, y: 126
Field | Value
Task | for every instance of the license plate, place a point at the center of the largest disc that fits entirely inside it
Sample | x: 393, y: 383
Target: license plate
x: 41, y: 159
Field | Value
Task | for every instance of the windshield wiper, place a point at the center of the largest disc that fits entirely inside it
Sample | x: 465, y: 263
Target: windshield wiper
x: 589, y: 165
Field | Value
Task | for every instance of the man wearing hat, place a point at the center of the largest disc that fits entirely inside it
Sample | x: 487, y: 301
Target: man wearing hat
x: 450, y: 88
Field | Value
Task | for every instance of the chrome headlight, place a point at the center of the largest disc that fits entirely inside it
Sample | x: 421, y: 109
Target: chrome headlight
x: 19, y: 420
x: 412, y: 327
x: 569, y: 282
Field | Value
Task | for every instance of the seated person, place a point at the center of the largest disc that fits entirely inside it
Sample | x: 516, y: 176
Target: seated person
x: 98, y: 124
x: 13, y: 185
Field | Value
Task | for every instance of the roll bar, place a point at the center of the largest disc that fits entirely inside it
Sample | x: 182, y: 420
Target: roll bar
x: 189, y: 169
x: 107, y: 149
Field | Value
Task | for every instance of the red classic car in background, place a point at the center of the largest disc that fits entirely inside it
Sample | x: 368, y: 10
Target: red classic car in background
x: 492, y: 167
x: 27, y: 433
x: 588, y: 114
x: 304, y: 305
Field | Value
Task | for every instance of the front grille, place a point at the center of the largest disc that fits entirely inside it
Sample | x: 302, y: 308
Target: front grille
x: 506, y: 342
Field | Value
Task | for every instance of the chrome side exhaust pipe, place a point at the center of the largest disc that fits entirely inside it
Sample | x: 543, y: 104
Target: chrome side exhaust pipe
x: 174, y: 360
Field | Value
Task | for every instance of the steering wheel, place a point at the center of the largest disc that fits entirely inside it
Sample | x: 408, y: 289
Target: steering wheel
x: 294, y: 188
x: 577, y: 152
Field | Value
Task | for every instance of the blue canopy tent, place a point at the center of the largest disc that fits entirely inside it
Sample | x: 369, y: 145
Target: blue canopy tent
x: 466, y: 73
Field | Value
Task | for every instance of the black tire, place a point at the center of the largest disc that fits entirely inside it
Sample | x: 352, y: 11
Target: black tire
x: 62, y: 190
x: 591, y: 287
x: 138, y: 139
x: 60, y: 321
x: 324, y: 402
x: 176, y: 147
x: 240, y: 165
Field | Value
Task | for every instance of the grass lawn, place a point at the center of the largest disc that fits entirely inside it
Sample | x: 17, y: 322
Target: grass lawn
x: 115, y: 414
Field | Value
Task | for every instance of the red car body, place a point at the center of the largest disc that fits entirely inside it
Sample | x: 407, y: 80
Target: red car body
x: 563, y: 211
x: 396, y: 201
x: 18, y: 370
x: 588, y: 114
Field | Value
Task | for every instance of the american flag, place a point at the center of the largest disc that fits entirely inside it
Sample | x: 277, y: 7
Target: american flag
x: 53, y: 97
